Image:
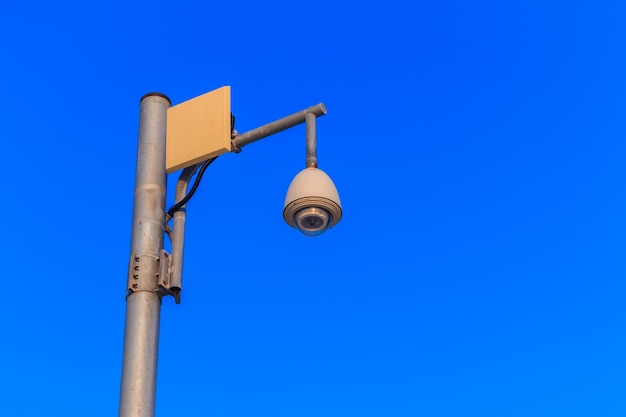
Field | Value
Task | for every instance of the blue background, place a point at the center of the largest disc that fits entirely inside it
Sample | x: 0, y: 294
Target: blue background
x: 478, y: 148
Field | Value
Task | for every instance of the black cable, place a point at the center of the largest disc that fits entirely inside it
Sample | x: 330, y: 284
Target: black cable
x: 182, y: 202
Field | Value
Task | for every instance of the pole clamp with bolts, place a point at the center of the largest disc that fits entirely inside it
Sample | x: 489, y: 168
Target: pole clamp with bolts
x: 149, y: 273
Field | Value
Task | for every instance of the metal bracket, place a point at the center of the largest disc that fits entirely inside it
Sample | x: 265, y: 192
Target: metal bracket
x: 165, y: 271
x: 147, y: 273
x: 165, y: 267
x: 234, y: 148
x: 141, y: 271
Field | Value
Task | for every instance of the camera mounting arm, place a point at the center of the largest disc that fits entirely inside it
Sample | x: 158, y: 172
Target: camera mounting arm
x: 311, y: 148
x: 239, y: 141
x: 307, y: 116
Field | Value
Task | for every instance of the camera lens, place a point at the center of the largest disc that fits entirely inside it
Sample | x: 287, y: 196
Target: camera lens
x: 312, y: 221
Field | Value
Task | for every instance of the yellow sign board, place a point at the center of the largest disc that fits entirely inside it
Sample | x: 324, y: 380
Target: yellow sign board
x: 198, y: 129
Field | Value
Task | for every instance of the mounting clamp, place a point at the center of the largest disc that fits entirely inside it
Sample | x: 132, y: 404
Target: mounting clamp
x: 148, y: 273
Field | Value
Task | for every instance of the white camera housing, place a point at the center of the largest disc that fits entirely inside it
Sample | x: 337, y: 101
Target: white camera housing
x: 312, y: 204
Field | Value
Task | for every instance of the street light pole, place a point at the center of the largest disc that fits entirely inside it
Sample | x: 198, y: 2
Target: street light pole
x: 143, y: 302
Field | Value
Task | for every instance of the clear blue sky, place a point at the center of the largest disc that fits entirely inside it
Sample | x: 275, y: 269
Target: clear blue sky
x: 479, y: 151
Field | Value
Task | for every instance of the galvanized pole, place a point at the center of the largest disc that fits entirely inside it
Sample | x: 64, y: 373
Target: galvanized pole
x: 143, y: 303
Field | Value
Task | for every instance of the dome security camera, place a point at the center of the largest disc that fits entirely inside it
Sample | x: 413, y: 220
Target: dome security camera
x: 312, y: 204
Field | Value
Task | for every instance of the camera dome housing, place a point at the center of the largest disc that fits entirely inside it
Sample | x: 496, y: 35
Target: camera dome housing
x: 312, y: 204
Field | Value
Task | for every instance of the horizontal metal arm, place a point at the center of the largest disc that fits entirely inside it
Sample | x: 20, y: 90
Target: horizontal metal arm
x: 276, y: 126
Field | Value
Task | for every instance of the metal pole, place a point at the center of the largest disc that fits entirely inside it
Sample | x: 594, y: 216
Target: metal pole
x: 178, y: 234
x: 143, y: 304
x: 311, y: 151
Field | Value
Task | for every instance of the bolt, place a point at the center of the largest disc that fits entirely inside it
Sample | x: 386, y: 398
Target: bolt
x: 137, y: 268
x: 137, y: 258
x: 135, y: 285
x: 136, y: 276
